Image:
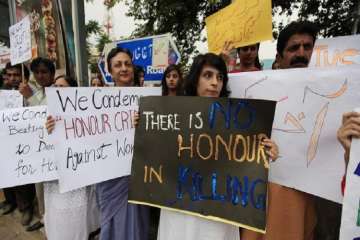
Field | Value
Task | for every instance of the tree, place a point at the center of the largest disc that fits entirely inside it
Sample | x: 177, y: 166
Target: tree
x: 333, y: 17
x: 186, y: 19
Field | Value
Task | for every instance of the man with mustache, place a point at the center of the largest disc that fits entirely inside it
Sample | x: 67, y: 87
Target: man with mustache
x: 291, y: 213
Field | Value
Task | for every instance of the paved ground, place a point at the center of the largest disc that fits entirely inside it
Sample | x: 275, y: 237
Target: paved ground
x: 11, y: 228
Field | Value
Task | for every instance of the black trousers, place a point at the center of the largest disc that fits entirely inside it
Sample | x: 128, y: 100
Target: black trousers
x: 20, y: 196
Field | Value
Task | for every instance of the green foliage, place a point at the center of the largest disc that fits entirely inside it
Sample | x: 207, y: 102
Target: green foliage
x: 185, y: 19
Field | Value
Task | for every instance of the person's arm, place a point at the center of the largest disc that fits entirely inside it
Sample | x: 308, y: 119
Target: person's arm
x: 50, y: 124
x: 272, y: 149
x: 349, y: 129
x: 25, y: 90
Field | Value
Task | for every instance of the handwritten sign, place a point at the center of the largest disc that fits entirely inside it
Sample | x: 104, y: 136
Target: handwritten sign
x: 26, y: 155
x: 94, y: 135
x: 243, y: 22
x: 350, y: 220
x: 10, y: 99
x: 308, y: 114
x: 336, y: 51
x: 202, y: 156
x: 20, y: 41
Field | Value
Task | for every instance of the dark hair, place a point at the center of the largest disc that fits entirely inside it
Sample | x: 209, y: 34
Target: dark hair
x: 257, y: 60
x: 71, y: 81
x: 303, y: 27
x: 137, y: 70
x: 165, y: 89
x: 46, y: 62
x: 99, y: 78
x: 210, y: 59
x: 18, y: 67
x: 114, y: 52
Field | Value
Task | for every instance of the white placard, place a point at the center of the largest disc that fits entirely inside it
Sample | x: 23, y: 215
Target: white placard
x: 26, y: 155
x: 337, y: 51
x: 10, y: 99
x: 350, y: 220
x: 20, y: 41
x: 308, y: 114
x: 94, y: 137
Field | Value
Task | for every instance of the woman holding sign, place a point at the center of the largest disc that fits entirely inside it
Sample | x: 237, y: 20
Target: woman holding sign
x: 248, y: 55
x: 68, y: 210
x: 120, y: 219
x: 207, y: 78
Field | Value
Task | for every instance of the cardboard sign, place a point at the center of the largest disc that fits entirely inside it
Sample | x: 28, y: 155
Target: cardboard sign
x: 337, y: 51
x: 20, y: 41
x: 350, y: 220
x: 94, y: 134
x: 153, y: 54
x: 244, y: 22
x: 10, y: 99
x: 202, y: 156
x: 26, y: 155
x: 308, y: 115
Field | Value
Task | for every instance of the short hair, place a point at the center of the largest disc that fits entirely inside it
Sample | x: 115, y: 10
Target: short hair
x: 18, y: 67
x: 165, y: 89
x: 113, y: 52
x: 71, y: 81
x: 302, y: 27
x: 210, y: 59
x: 46, y: 62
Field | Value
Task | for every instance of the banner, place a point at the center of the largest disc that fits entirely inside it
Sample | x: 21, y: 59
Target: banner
x: 337, y: 51
x: 244, y: 22
x: 350, y: 220
x: 203, y: 157
x: 26, y: 155
x: 20, y: 41
x: 153, y: 54
x: 94, y: 133
x: 308, y: 114
x: 10, y: 99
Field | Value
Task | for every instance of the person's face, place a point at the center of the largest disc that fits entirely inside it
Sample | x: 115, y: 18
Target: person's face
x: 43, y: 76
x: 172, y: 79
x: 61, y: 82
x: 141, y: 79
x: 122, y: 70
x: 210, y: 82
x: 297, y: 52
x: 248, y: 54
x: 96, y: 83
x: 13, y: 76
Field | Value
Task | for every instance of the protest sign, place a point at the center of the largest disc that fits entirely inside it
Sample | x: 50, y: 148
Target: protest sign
x: 243, y: 22
x: 336, y: 51
x: 203, y: 157
x: 153, y: 54
x: 20, y: 41
x: 309, y: 112
x: 10, y: 99
x: 350, y: 220
x: 94, y: 135
x: 26, y: 155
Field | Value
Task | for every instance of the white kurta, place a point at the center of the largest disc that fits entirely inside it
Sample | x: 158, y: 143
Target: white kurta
x: 179, y: 226
x: 67, y: 215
